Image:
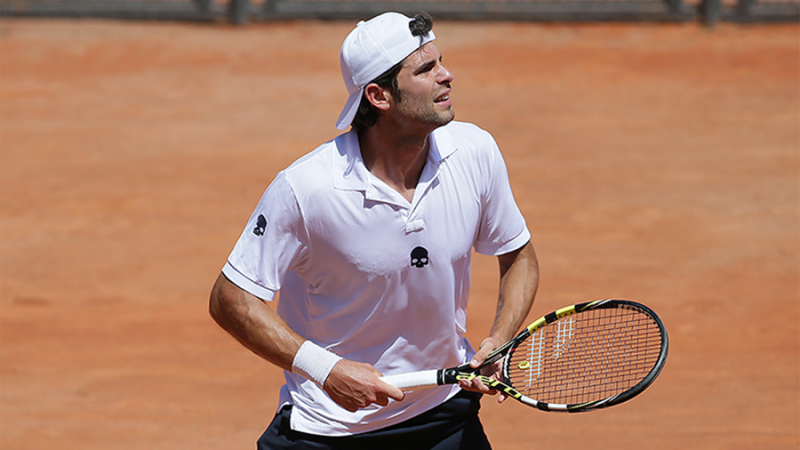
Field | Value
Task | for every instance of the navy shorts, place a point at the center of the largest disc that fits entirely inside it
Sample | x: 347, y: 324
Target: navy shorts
x: 453, y: 425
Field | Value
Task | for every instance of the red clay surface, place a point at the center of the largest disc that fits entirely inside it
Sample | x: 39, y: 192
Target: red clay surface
x: 653, y: 162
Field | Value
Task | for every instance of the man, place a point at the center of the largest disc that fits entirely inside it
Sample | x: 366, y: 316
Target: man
x: 368, y: 239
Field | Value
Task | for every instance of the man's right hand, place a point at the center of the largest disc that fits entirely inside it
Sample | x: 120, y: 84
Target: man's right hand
x: 355, y: 385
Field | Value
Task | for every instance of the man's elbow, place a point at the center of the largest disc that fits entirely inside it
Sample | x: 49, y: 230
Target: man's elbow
x: 217, y: 301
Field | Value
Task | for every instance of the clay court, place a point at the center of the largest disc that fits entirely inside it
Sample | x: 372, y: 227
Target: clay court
x: 655, y: 162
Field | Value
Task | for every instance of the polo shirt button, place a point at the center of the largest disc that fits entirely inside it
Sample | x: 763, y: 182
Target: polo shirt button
x: 415, y: 225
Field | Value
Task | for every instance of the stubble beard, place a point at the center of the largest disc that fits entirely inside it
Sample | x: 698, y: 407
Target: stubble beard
x: 425, y: 114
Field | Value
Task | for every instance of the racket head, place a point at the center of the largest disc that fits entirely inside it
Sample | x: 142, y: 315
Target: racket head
x: 587, y: 356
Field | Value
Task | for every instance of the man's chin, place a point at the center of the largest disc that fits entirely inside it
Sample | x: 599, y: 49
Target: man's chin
x: 447, y: 118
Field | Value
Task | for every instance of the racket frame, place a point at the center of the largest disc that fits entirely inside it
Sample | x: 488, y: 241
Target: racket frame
x: 623, y: 396
x: 428, y: 378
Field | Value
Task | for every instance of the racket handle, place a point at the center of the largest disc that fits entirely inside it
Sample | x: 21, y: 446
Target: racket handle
x: 408, y: 381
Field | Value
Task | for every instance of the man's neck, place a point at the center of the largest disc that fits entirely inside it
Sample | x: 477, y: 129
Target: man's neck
x: 396, y: 159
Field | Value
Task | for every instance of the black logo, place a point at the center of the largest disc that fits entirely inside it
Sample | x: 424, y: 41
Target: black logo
x: 419, y: 257
x: 261, y: 225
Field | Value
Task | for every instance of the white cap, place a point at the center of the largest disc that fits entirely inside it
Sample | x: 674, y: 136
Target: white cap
x: 371, y: 49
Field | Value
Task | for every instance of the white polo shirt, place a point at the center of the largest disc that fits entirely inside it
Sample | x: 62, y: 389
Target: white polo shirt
x: 372, y: 277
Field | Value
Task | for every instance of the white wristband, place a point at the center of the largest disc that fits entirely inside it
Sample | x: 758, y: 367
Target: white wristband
x: 314, y: 362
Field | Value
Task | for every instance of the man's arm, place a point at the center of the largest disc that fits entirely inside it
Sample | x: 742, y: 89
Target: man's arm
x: 258, y: 327
x: 519, y: 280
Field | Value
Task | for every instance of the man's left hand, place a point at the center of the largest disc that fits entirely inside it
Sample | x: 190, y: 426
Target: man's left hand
x: 494, y: 370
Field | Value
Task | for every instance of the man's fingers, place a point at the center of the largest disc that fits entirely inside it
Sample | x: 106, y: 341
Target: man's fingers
x: 480, y: 357
x: 487, y: 346
x: 477, y: 360
x: 388, y: 392
x: 476, y: 385
x: 356, y: 385
x: 392, y: 392
x: 382, y: 400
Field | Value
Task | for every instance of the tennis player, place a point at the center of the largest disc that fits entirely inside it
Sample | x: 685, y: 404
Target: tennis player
x: 368, y: 239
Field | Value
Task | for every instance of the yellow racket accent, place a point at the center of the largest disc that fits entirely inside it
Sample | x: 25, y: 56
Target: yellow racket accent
x: 565, y: 311
x: 492, y: 383
x: 536, y: 325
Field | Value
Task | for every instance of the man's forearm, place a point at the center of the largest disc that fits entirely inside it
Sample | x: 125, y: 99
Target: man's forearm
x: 259, y: 328
x: 253, y: 323
x: 519, y: 281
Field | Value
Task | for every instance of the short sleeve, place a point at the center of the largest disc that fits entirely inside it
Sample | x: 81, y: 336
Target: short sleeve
x: 502, y: 225
x: 273, y: 243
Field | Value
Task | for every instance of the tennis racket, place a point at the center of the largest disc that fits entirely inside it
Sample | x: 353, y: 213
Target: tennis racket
x: 579, y: 358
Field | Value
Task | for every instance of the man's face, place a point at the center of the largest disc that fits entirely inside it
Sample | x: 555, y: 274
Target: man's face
x: 424, y: 85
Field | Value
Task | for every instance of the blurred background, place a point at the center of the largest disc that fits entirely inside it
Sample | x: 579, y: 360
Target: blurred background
x: 242, y: 11
x: 653, y: 147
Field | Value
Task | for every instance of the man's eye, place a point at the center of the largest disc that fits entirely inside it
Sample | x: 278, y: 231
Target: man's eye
x: 425, y: 68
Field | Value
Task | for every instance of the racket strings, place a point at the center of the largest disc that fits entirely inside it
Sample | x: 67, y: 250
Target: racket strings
x: 586, y: 357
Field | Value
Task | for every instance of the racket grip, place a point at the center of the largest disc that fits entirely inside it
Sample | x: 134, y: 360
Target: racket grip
x: 408, y: 381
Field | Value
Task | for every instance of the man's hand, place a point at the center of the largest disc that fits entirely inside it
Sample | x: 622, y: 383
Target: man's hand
x: 494, y: 370
x: 355, y: 385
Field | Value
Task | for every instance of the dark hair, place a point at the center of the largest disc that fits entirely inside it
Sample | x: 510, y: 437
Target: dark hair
x: 367, y: 115
x: 421, y: 24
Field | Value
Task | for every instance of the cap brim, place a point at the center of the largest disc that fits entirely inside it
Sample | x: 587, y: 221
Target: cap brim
x: 349, y: 111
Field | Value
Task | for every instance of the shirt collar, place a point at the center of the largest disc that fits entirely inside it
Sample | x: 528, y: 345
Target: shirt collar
x: 350, y: 172
x: 442, y: 145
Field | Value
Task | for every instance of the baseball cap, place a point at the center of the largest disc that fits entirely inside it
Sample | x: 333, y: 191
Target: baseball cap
x: 371, y: 49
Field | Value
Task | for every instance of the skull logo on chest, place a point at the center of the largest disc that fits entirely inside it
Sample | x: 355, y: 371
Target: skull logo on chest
x: 419, y: 257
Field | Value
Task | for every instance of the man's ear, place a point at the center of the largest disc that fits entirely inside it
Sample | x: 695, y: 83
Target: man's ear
x: 378, y: 96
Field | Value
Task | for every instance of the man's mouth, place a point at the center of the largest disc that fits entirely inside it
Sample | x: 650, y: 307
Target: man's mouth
x: 442, y: 98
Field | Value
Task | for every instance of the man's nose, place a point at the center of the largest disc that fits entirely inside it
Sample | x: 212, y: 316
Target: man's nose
x: 445, y: 76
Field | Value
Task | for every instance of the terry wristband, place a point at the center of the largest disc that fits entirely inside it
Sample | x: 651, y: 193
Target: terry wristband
x: 314, y: 362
